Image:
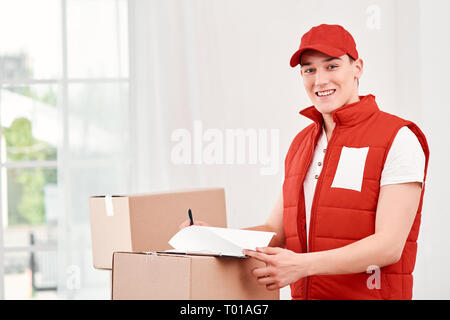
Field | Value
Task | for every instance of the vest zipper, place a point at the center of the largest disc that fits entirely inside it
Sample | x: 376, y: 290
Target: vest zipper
x: 315, y: 199
x: 311, y: 154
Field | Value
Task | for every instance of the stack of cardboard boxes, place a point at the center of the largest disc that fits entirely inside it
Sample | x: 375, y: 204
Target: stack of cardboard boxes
x: 127, y: 231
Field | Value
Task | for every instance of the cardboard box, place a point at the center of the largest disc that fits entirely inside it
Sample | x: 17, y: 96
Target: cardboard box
x: 146, y: 222
x: 138, y: 276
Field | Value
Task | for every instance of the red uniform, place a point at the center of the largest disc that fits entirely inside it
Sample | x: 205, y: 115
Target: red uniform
x: 340, y: 216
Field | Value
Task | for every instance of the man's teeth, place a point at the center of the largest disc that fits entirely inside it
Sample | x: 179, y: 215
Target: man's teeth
x: 325, y: 93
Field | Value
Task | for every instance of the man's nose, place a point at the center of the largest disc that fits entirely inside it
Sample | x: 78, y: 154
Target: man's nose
x: 320, y: 79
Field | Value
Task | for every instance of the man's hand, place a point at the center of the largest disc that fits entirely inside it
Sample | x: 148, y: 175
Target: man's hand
x: 187, y: 223
x: 282, y: 266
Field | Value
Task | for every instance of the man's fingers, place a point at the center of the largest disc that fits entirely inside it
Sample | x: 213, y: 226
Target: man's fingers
x: 257, y: 255
x: 187, y: 223
x: 184, y: 224
x: 272, y: 286
x: 201, y: 223
x: 266, y: 281
x: 261, y: 272
x: 269, y: 250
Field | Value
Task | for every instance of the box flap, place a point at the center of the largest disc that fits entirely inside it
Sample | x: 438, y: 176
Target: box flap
x: 110, y: 231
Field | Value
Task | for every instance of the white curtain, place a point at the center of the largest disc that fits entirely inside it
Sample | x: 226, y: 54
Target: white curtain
x: 96, y: 156
x: 433, y: 259
x: 224, y: 65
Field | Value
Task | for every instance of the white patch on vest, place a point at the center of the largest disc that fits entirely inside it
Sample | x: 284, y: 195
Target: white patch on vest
x: 350, y: 169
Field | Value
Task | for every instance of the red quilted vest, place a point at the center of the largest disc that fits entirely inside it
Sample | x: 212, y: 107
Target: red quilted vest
x: 340, y: 216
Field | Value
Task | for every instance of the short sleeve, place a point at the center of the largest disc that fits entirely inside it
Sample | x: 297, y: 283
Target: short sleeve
x: 405, y: 161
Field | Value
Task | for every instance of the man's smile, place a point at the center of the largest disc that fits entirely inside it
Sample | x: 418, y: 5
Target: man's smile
x: 325, y: 93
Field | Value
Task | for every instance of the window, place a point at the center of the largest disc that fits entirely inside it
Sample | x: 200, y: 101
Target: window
x: 64, y: 136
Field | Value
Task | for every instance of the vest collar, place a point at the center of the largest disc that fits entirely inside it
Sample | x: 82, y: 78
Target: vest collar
x: 348, y: 115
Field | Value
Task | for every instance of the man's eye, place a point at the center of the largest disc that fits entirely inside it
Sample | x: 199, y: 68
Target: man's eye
x: 332, y: 66
x: 308, y: 70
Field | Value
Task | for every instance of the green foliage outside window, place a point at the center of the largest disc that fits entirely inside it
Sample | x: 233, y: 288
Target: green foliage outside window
x: 25, y: 186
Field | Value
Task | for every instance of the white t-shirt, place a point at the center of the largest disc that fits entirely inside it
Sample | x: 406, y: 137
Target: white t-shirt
x: 405, y: 162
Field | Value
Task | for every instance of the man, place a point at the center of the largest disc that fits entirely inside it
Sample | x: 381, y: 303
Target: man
x: 348, y: 217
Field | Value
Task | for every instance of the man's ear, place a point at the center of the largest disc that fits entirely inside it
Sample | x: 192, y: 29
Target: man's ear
x: 359, y: 66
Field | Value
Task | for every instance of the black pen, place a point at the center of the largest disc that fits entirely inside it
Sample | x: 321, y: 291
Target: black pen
x: 190, y: 217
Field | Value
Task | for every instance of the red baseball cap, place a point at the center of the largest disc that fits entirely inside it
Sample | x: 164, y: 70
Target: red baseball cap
x: 333, y: 40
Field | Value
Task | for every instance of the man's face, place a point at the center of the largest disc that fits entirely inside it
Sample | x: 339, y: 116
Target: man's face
x: 330, y: 82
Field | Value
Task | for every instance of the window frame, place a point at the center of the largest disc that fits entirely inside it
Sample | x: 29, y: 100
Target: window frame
x: 60, y: 165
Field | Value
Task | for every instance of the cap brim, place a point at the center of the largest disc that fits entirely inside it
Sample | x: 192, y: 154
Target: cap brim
x: 330, y: 51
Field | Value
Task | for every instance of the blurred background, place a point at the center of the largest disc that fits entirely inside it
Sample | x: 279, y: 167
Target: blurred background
x: 95, y: 95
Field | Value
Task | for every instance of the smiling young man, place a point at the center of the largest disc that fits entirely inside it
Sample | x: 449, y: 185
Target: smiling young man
x: 348, y: 217
x: 353, y: 189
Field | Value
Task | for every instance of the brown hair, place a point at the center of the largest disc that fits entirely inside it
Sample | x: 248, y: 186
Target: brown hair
x: 351, y: 61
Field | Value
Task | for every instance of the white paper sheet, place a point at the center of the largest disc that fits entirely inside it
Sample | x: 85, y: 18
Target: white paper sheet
x: 218, y: 241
